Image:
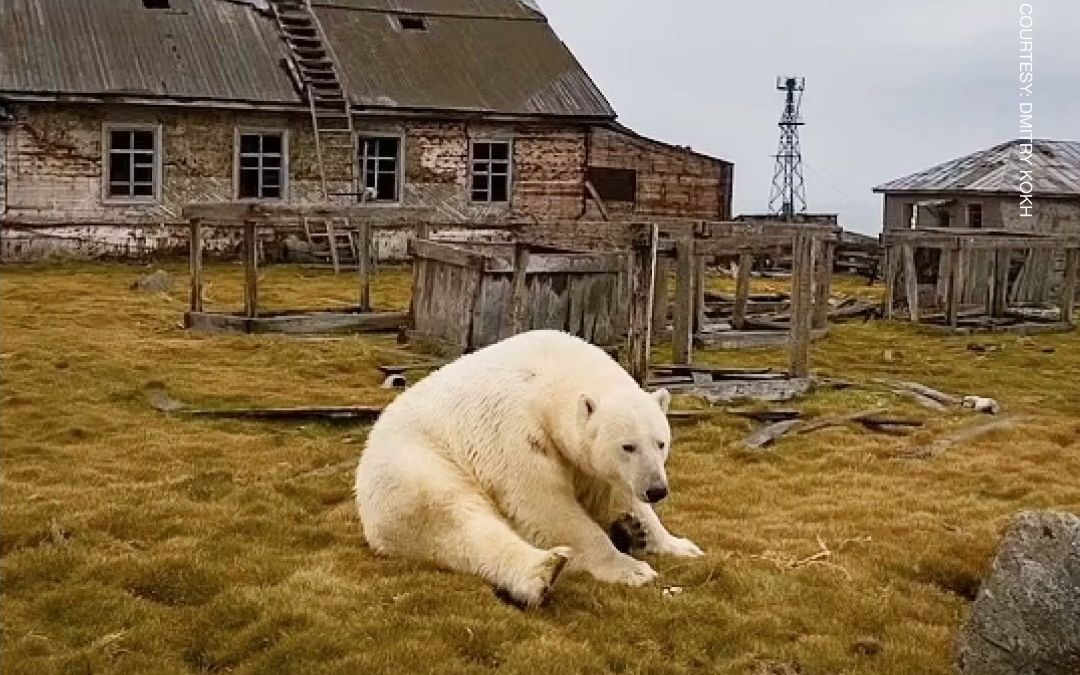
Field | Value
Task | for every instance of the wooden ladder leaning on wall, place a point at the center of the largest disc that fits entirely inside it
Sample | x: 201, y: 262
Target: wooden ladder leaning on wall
x: 315, y: 66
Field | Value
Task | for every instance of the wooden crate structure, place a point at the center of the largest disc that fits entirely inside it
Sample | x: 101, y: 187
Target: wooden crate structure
x: 959, y: 247
x: 469, y: 296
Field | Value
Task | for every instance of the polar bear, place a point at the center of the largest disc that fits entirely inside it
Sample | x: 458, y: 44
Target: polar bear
x: 509, y: 462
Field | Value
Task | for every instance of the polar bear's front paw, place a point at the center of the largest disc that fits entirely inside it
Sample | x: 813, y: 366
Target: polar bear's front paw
x: 678, y: 547
x: 628, y: 534
x: 625, y: 570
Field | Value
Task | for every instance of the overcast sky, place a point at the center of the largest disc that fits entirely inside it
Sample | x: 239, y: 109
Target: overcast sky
x: 892, y: 87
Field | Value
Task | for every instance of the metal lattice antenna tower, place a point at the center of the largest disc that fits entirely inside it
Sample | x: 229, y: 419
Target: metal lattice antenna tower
x: 788, y: 195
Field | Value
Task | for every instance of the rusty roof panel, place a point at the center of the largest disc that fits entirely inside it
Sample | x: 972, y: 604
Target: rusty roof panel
x: 197, y: 49
x: 1054, y: 167
x: 460, y: 63
x: 492, y: 56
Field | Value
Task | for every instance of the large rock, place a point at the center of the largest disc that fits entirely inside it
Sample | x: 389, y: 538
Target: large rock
x: 1026, y: 617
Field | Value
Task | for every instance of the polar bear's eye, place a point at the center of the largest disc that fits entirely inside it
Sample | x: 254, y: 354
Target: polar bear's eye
x: 629, y: 447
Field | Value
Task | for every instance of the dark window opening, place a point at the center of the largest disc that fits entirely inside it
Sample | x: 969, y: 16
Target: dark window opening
x: 911, y: 216
x: 417, y: 23
x: 262, y: 166
x: 491, y: 171
x: 974, y: 212
x: 132, y: 164
x: 379, y: 169
x: 614, y: 185
x: 155, y: 4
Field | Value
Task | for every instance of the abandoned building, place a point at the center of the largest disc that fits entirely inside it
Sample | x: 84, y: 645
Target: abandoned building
x: 116, y: 113
x: 995, y: 190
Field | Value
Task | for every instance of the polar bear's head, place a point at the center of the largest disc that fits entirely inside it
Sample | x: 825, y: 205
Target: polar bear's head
x: 626, y: 440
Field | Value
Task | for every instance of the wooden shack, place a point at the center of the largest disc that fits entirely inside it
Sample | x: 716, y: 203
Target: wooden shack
x: 467, y: 296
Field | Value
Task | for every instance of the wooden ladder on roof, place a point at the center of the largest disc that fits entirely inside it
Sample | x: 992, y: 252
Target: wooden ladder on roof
x: 315, y: 65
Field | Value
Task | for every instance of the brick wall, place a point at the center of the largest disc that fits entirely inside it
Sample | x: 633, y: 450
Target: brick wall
x: 671, y: 182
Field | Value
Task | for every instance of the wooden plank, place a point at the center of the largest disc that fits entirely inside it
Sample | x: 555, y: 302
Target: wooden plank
x: 700, y: 278
x: 1068, y: 290
x: 299, y: 324
x: 661, y: 304
x: 823, y: 266
x: 742, y: 291
x: 597, y: 200
x: 364, y: 247
x: 955, y: 286
x: 642, y: 273
x: 801, y: 307
x: 196, y: 264
x: 559, y: 263
x: 1000, y: 283
x: 892, y: 276
x: 518, y: 295
x: 448, y: 254
x: 251, y: 272
x: 911, y: 282
x: 683, y: 337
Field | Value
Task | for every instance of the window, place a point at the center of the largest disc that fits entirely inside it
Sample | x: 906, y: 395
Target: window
x: 411, y: 22
x: 614, y: 185
x: 262, y: 165
x: 974, y: 215
x: 379, y: 168
x: 911, y: 215
x: 491, y: 171
x: 132, y: 163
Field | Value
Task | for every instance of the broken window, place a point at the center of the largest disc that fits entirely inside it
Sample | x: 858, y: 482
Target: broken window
x: 411, y: 22
x: 614, y: 185
x: 491, y: 171
x: 974, y: 216
x: 132, y: 163
x: 380, y: 168
x: 262, y: 165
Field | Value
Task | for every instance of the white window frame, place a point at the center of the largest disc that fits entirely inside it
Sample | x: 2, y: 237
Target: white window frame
x: 262, y: 131
x: 107, y: 129
x: 361, y: 158
x: 509, y: 141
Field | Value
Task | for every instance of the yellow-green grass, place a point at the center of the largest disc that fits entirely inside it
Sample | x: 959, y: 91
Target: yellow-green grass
x: 134, y: 542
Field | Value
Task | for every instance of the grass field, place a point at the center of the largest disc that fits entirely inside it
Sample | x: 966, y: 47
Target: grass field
x: 134, y: 542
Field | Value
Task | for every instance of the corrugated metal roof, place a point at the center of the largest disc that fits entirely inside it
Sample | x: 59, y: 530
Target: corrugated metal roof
x: 1054, y: 167
x: 493, y: 56
x: 198, y: 49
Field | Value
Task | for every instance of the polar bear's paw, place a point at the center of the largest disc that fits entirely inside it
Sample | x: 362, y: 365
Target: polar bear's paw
x: 624, y: 570
x: 628, y: 534
x: 678, y: 547
x: 538, y: 582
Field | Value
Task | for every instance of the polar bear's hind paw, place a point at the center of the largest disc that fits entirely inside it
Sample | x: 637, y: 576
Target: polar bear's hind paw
x: 538, y: 588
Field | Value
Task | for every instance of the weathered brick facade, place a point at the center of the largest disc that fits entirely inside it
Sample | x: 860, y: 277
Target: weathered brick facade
x: 54, y: 174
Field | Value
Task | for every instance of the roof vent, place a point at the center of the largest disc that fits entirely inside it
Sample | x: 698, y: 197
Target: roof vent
x: 156, y: 4
x: 411, y: 22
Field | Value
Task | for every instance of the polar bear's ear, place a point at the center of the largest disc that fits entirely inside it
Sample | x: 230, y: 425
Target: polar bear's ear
x: 586, y: 407
x: 663, y: 399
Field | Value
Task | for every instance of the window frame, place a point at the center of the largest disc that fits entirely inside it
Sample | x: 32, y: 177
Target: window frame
x: 491, y: 140
x: 970, y: 207
x: 107, y: 129
x: 238, y: 134
x: 360, y: 153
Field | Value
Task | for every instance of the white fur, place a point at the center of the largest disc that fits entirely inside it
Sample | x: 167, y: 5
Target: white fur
x: 511, y: 459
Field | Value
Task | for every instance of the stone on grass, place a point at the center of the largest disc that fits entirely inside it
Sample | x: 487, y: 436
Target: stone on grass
x: 158, y: 282
x: 1026, y: 617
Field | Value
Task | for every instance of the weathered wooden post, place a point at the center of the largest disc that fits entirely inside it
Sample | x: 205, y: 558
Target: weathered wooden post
x: 801, y: 305
x: 892, y: 273
x: 911, y: 282
x: 519, y: 290
x: 699, y: 293
x: 823, y: 264
x: 364, y: 263
x: 742, y: 291
x: 683, y: 334
x: 1000, y: 282
x: 642, y: 278
x: 660, y: 296
x: 251, y: 292
x: 955, y: 292
x: 196, y: 265
x: 1068, y: 291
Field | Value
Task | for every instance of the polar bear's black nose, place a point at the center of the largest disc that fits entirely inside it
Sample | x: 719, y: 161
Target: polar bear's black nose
x: 656, y: 494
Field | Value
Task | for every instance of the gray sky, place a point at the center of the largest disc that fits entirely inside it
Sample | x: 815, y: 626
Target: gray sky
x: 892, y: 87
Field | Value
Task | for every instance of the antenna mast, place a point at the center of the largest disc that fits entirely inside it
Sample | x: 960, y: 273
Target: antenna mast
x: 788, y: 195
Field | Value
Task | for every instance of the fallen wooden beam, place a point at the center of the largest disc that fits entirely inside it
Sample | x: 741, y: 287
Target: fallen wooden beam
x: 922, y: 390
x: 768, y: 416
x: 769, y: 434
x: 965, y: 435
x: 301, y: 414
